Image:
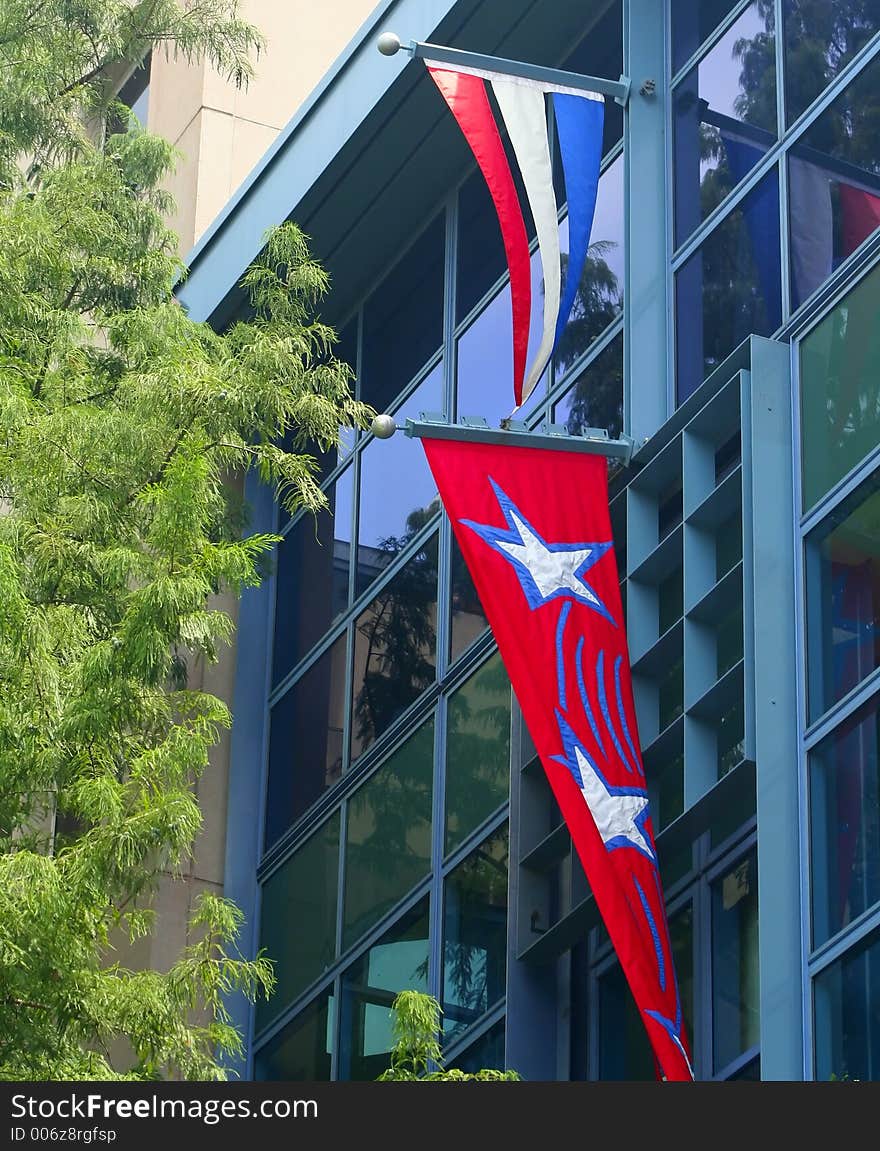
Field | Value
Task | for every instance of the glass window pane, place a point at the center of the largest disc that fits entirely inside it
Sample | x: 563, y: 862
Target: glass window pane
x: 397, y: 492
x: 480, y: 259
x: 847, y: 1006
x: 692, y: 22
x: 403, y: 319
x: 468, y: 619
x: 600, y: 53
x: 302, y: 1051
x: 298, y: 918
x: 735, y: 992
x: 624, y: 1049
x: 388, y: 840
x: 487, y: 1054
x: 595, y: 399
x: 600, y: 295
x: 484, y: 361
x: 475, y: 935
x: 843, y: 597
x: 398, y: 962
x: 730, y: 288
x: 834, y: 184
x: 305, y: 740
x: 845, y: 823
x: 395, y: 648
x: 725, y: 117
x: 821, y: 37
x: 840, y: 390
x: 311, y: 588
x: 478, y: 750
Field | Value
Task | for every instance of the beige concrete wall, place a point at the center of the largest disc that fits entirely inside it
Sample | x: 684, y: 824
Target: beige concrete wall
x: 222, y: 131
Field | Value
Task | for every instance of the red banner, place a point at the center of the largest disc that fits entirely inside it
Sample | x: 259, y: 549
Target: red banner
x: 534, y: 528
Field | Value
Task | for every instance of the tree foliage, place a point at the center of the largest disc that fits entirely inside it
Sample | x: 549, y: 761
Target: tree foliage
x: 416, y: 1052
x: 122, y: 423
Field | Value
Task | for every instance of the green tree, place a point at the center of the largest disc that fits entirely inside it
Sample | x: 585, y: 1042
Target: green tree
x: 123, y: 421
x: 416, y: 1052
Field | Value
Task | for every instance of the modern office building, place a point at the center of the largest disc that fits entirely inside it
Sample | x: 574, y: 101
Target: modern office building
x: 388, y: 823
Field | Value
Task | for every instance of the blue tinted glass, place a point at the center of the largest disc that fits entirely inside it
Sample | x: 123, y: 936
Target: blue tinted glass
x: 311, y: 588
x: 692, y: 22
x: 305, y: 740
x: 735, y: 984
x: 397, y: 491
x: 843, y: 597
x: 484, y: 369
x: 600, y: 53
x: 468, y: 619
x: 725, y: 117
x: 298, y: 918
x: 302, y: 1051
x: 847, y: 1026
x: 821, y: 37
x: 595, y: 399
x: 484, y: 1055
x: 730, y: 288
x: 398, y: 962
x: 834, y: 184
x: 845, y: 824
x: 395, y: 650
x: 475, y: 935
x: 403, y: 319
x: 600, y: 296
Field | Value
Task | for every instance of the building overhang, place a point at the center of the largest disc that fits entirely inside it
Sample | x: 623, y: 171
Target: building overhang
x: 372, y: 153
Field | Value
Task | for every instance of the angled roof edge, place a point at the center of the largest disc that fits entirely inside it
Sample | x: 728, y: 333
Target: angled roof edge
x: 349, y: 90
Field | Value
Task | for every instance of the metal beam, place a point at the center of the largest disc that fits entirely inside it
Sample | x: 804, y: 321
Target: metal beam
x: 389, y: 44
x: 555, y: 437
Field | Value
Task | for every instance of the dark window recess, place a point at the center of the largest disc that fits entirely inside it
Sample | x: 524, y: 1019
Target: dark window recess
x: 670, y: 599
x: 403, y: 319
x: 728, y: 457
x: 134, y: 95
x: 669, y: 512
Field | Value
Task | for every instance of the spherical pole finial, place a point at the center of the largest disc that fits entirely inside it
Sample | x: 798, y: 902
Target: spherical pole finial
x: 388, y: 43
x: 383, y: 427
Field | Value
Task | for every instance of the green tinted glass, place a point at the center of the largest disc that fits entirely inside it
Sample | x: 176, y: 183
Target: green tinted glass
x: 388, y: 842
x: 298, y: 918
x: 478, y: 755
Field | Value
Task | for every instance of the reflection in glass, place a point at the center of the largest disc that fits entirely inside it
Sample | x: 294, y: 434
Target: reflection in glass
x: 475, y: 935
x: 599, y: 299
x: 624, y: 1049
x: 468, y: 619
x: 821, y: 37
x: 403, y: 319
x: 725, y: 117
x: 397, y: 491
x: 845, y: 824
x: 847, y: 1007
x: 395, y: 648
x: 298, y: 918
x: 834, y: 184
x: 730, y: 288
x: 692, y: 22
x: 481, y: 260
x: 840, y: 389
x: 484, y: 1055
x: 388, y: 836
x: 305, y: 740
x: 484, y: 360
x: 398, y: 962
x: 731, y: 737
x: 665, y: 776
x: 302, y: 1051
x: 595, y: 399
x: 729, y: 641
x: 311, y: 588
x: 735, y: 988
x: 478, y: 750
x: 843, y: 597
x: 670, y: 693
x: 728, y: 544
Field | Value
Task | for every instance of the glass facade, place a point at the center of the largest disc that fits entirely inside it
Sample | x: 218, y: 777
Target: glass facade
x: 409, y: 835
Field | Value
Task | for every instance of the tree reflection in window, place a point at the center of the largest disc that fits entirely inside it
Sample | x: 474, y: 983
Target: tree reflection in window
x: 396, y: 639
x: 475, y: 936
